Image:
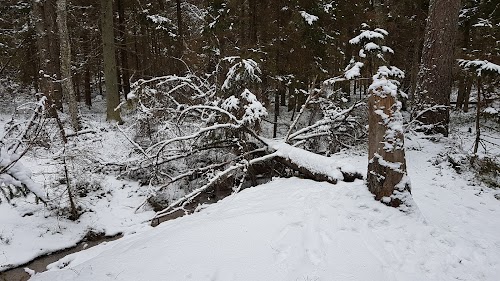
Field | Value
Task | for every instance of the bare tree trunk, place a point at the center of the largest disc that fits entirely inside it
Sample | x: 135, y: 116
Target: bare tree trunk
x: 108, y: 51
x: 53, y: 69
x: 461, y: 91
x: 434, y: 79
x: 180, y: 35
x: 123, y: 48
x: 65, y: 54
x: 46, y: 85
x: 468, y: 88
x: 87, y: 91
x: 463, y: 79
x: 276, y: 111
x: 478, y: 115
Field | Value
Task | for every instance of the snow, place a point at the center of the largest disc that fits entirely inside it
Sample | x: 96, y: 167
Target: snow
x: 289, y: 229
x: 293, y: 229
x: 368, y: 35
x: 241, y: 72
x: 254, y: 110
x: 32, y: 231
x: 18, y: 174
x: 491, y: 110
x: 354, y: 70
x: 313, y: 162
x: 231, y: 103
x: 310, y: 19
x: 479, y: 66
x: 371, y: 46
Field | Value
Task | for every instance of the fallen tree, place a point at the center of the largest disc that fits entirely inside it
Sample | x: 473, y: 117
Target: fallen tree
x: 197, y: 137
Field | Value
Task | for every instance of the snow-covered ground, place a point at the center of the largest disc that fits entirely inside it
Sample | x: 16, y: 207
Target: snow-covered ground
x: 294, y: 229
x: 29, y: 230
x: 289, y: 229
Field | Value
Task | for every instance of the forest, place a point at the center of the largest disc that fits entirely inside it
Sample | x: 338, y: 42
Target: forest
x: 309, y: 140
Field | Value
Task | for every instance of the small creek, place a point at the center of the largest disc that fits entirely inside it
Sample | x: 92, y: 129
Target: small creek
x: 39, y: 264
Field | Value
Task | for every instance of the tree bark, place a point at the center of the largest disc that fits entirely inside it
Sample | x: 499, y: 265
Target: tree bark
x: 478, y: 115
x: 468, y: 88
x: 46, y: 86
x: 53, y: 64
x: 180, y: 37
x: 434, y: 79
x: 110, y: 72
x: 87, y: 88
x: 386, y: 177
x: 65, y: 54
x: 123, y: 48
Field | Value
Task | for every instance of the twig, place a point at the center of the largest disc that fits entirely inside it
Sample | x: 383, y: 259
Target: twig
x: 302, y: 109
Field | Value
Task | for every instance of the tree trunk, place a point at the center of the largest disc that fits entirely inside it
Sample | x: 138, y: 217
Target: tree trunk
x: 108, y: 52
x: 180, y: 37
x: 45, y: 84
x: 87, y: 90
x: 65, y: 54
x: 434, y: 79
x: 461, y: 91
x: 478, y: 115
x: 468, y: 88
x: 53, y: 64
x: 76, y: 86
x: 463, y: 78
x: 386, y: 177
x: 123, y: 48
x: 276, y: 111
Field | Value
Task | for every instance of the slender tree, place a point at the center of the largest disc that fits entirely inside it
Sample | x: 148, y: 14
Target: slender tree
x: 108, y: 52
x: 65, y: 54
x: 46, y: 85
x: 434, y: 80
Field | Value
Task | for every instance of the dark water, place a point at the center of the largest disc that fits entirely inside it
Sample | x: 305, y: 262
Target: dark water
x: 39, y: 264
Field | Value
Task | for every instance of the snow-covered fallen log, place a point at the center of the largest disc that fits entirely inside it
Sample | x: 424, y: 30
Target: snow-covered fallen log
x: 311, y: 165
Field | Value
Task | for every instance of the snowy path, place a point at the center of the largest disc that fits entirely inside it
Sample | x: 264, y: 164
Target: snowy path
x: 292, y: 229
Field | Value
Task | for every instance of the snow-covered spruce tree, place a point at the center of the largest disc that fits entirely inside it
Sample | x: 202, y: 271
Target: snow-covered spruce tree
x: 386, y: 178
x: 239, y: 91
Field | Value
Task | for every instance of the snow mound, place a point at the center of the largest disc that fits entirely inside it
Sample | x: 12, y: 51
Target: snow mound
x: 293, y: 229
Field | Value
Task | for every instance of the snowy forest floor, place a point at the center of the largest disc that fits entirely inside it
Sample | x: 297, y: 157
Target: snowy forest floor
x: 288, y: 229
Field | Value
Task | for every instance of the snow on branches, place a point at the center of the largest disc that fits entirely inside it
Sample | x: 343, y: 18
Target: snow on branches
x: 480, y: 66
x: 15, y: 178
x: 386, y: 177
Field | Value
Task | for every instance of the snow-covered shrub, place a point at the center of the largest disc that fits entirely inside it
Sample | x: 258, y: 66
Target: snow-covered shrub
x: 487, y: 169
x: 18, y: 139
x: 242, y: 74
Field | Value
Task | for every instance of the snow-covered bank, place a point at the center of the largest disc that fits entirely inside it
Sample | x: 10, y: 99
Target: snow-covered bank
x: 28, y: 230
x: 292, y: 229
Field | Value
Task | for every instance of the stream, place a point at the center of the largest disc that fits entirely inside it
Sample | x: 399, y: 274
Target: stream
x: 40, y: 263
